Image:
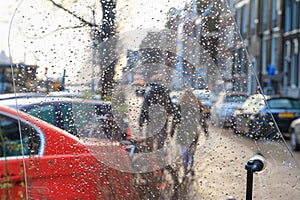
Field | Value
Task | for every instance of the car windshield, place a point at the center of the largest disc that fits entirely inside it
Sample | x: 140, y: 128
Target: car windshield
x: 154, y: 63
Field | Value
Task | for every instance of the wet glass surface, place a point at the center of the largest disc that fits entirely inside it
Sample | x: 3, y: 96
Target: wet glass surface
x: 122, y: 80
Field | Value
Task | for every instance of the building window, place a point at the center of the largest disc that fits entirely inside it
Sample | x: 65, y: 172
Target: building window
x: 252, y: 17
x: 286, y: 71
x: 288, y: 11
x: 274, y: 53
x: 296, y: 54
x: 264, y: 57
x: 293, y: 76
x: 274, y: 14
x: 265, y: 16
x: 244, y: 21
x: 291, y: 15
x: 295, y: 15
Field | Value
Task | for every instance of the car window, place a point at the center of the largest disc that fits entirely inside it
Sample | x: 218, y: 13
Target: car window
x: 44, y: 112
x: 103, y: 127
x: 284, y: 103
x: 295, y: 104
x: 10, y: 142
x: 66, y: 117
x: 84, y: 115
x: 236, y: 99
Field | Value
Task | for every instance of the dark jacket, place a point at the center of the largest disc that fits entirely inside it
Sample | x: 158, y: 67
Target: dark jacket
x: 159, y: 94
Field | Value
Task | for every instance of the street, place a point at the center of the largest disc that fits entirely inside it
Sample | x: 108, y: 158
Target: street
x: 220, y: 161
x: 221, y: 174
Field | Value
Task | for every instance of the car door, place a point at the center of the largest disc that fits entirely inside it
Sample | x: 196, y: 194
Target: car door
x: 16, y: 147
x: 32, y: 168
x: 49, y: 163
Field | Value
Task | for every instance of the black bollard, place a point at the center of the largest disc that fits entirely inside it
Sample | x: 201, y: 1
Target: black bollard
x: 255, y: 164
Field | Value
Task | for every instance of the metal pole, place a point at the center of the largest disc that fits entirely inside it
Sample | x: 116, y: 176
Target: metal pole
x: 93, y: 53
x: 255, y: 164
x: 249, y: 188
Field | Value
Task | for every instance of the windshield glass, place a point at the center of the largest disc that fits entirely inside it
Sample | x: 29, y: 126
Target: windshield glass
x: 138, y: 91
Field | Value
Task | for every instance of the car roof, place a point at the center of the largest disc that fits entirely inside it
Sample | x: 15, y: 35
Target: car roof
x: 38, y: 100
x: 20, y: 95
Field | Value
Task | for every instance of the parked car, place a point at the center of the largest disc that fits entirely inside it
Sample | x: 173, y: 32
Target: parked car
x: 205, y: 97
x: 72, y: 115
x: 41, y: 161
x: 257, y: 115
x: 222, y: 111
x: 294, y: 131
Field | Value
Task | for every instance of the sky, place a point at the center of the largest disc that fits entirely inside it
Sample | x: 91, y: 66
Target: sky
x: 34, y: 38
x: 6, y: 9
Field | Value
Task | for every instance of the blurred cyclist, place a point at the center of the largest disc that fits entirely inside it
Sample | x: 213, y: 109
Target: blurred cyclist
x: 158, y: 94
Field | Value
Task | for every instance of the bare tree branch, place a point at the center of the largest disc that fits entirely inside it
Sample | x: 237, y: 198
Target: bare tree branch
x: 73, y: 14
x: 76, y: 16
x: 58, y: 29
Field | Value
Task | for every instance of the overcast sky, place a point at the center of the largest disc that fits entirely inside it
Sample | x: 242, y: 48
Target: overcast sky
x: 6, y: 9
x: 30, y: 42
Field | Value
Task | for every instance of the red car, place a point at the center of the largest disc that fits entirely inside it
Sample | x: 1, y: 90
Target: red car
x: 49, y: 163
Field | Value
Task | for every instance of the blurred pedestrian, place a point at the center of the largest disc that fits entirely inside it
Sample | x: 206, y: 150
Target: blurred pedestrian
x: 188, y: 134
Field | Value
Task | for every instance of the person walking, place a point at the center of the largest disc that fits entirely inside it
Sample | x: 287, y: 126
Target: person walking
x: 188, y: 132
